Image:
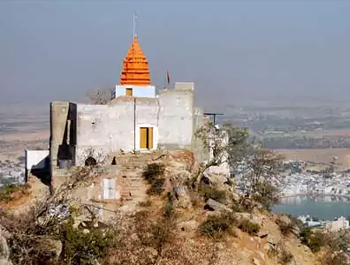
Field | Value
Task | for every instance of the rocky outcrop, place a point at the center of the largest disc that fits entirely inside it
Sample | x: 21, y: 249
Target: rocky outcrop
x: 213, y: 205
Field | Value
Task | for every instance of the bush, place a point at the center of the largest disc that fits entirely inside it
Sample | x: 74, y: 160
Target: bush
x: 266, y: 194
x: 153, y: 171
x: 212, y: 193
x: 146, y: 203
x: 84, y: 248
x: 314, y: 240
x: 215, y: 226
x: 249, y: 227
x: 7, y: 192
x: 154, y: 175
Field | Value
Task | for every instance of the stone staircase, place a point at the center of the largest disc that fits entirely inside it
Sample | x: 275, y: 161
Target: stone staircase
x: 130, y: 176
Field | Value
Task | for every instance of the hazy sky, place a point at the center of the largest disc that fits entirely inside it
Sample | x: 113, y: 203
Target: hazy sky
x: 232, y: 49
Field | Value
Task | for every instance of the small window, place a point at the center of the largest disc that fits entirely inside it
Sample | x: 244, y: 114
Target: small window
x: 129, y: 92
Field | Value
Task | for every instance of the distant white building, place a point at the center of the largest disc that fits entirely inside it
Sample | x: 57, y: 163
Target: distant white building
x: 340, y: 224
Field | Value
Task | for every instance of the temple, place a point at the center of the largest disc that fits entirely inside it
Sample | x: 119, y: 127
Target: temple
x: 137, y: 119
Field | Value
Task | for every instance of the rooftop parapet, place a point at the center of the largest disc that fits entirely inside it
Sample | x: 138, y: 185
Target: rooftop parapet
x: 184, y: 86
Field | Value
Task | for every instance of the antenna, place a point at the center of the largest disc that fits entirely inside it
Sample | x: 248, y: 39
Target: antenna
x: 213, y: 114
x: 134, y: 24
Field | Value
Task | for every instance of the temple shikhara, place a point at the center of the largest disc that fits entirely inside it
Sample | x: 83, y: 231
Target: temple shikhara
x: 138, y: 118
x: 135, y: 67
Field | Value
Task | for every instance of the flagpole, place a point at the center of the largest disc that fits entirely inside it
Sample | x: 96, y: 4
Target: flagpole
x: 164, y: 86
x: 134, y: 25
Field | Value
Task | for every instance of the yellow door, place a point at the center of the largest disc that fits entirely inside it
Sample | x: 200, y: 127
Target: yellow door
x: 150, y: 138
x: 143, y: 137
x: 129, y: 91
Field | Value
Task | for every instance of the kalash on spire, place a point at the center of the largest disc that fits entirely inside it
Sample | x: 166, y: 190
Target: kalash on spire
x: 135, y: 76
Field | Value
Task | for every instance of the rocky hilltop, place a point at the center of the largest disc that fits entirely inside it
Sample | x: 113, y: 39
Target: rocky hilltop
x: 161, y: 217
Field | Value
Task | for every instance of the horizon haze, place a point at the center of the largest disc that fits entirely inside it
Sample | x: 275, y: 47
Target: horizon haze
x: 234, y: 51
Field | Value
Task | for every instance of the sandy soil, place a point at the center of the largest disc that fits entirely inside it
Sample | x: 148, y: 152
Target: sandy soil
x: 23, y: 128
x: 13, y: 145
x: 319, y: 155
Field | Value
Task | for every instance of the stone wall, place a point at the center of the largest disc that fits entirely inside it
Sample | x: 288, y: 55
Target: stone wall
x: 116, y: 126
x: 176, y: 119
x: 58, y: 119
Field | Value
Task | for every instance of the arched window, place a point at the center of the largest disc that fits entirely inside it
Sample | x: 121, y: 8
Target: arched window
x: 90, y: 161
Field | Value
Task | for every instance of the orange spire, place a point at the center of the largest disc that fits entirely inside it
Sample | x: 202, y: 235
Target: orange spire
x: 135, y: 67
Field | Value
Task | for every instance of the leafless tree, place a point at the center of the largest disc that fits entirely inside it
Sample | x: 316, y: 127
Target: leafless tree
x: 30, y: 233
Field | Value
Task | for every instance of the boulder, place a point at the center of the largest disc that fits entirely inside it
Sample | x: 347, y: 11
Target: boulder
x: 296, y: 230
x: 215, y: 179
x: 183, y: 199
x: 285, y: 219
x: 213, y: 205
x: 262, y: 234
x: 256, y: 261
x: 257, y: 219
x: 188, y: 226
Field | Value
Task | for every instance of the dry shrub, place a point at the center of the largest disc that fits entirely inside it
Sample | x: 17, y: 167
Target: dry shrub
x: 154, y: 174
x: 285, y: 257
x: 209, y: 192
x: 244, y: 204
x: 249, y: 227
x: 31, y: 232
x: 216, y: 226
x: 145, y: 240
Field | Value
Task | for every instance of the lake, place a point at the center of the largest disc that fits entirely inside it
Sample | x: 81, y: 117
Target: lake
x: 325, y: 208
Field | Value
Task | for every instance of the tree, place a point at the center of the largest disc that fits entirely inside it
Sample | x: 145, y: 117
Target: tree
x: 100, y: 96
x: 225, y: 144
x: 263, y: 167
x: 234, y: 146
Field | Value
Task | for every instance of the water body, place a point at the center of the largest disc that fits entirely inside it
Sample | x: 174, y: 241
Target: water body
x: 326, y: 208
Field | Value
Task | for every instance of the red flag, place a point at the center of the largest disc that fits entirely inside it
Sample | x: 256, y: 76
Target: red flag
x: 168, y: 77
